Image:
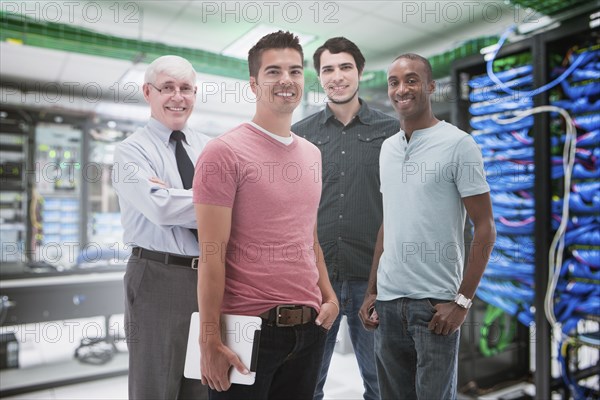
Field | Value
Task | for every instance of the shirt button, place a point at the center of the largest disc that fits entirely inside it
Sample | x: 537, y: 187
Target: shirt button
x: 343, y: 132
x: 341, y: 216
x: 342, y: 173
x: 403, y: 138
x: 368, y: 139
x: 407, y: 158
x: 319, y: 142
x: 341, y: 194
x: 339, y: 238
x: 343, y: 152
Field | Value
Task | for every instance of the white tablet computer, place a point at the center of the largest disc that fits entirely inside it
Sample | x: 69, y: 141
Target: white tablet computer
x: 240, y: 333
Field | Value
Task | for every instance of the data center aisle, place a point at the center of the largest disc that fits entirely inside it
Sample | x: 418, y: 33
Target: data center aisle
x: 344, y: 382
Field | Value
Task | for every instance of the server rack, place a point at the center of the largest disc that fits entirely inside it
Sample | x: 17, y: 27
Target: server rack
x: 477, y: 371
x: 53, y: 161
x: 554, y: 45
x: 541, y: 48
x: 15, y: 182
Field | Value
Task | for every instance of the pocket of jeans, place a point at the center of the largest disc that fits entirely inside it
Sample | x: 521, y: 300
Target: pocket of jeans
x: 322, y: 329
x: 433, y: 302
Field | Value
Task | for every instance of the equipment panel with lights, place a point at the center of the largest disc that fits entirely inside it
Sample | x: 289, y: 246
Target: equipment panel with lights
x: 14, y: 152
x: 56, y: 196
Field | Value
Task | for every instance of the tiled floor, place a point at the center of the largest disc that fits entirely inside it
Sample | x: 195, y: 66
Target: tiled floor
x: 344, y: 382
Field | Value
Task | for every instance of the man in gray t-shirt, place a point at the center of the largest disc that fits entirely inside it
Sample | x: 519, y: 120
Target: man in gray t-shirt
x: 431, y: 178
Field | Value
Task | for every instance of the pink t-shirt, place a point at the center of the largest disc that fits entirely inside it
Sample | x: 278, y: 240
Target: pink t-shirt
x: 274, y: 191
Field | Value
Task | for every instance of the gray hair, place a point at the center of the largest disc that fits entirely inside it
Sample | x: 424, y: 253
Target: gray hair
x: 175, y: 66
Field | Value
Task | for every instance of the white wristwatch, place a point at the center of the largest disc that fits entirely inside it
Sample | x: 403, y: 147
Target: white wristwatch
x: 462, y: 301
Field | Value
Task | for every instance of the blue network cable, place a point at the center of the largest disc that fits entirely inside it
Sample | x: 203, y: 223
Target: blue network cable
x: 488, y: 124
x: 587, y: 235
x: 578, y: 60
x: 510, y: 199
x: 500, y: 105
x: 505, y: 76
x: 503, y: 140
x: 579, y: 105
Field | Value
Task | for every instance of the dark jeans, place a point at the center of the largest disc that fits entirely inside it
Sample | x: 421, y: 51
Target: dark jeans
x: 351, y: 295
x: 289, y: 360
x: 413, y: 363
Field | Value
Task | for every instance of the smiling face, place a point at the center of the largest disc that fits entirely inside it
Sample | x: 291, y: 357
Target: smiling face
x: 410, y: 88
x: 279, y: 83
x: 339, y: 76
x: 172, y: 110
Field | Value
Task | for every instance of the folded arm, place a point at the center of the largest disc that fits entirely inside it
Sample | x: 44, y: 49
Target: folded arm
x: 135, y: 181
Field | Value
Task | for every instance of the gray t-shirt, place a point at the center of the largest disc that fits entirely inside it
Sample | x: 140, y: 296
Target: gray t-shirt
x: 423, y: 182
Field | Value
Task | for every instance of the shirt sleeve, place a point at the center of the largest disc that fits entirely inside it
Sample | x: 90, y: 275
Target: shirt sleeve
x: 132, y: 170
x: 216, y: 176
x: 470, y: 175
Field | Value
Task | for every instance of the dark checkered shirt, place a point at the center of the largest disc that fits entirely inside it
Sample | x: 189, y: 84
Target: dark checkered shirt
x: 350, y: 212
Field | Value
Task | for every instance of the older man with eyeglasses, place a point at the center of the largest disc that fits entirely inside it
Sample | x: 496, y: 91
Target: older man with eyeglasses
x: 152, y: 175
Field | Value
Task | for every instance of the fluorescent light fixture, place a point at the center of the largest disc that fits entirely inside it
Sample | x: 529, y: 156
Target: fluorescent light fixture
x: 534, y: 25
x: 595, y: 20
x: 240, y: 48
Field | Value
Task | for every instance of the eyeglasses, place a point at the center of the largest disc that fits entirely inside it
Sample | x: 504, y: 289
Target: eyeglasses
x: 170, y: 90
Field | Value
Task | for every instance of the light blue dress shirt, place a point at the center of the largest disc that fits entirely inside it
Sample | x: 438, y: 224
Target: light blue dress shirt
x: 154, y: 217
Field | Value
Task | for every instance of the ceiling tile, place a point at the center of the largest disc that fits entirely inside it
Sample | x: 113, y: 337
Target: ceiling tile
x: 101, y: 72
x: 24, y: 62
x: 216, y: 25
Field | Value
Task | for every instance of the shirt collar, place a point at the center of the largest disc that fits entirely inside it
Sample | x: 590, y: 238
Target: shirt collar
x: 364, y: 114
x: 164, y: 133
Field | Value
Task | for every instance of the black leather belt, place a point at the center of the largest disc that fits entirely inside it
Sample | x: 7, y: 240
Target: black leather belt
x: 289, y: 315
x: 166, y: 258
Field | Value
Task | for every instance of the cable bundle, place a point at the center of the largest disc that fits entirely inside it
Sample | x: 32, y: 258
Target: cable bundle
x: 575, y: 291
x: 508, y: 154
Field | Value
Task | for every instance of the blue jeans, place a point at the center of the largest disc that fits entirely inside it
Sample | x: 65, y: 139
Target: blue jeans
x: 412, y: 361
x: 288, y: 365
x: 351, y: 295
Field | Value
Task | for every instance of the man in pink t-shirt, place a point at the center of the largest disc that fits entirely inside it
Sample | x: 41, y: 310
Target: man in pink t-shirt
x: 256, y: 192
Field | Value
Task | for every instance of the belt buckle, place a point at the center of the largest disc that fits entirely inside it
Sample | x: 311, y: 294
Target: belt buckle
x: 195, y: 262
x: 277, y: 310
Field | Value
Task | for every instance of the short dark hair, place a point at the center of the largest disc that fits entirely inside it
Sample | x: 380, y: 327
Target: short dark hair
x: 339, y: 45
x: 416, y: 57
x: 275, y: 40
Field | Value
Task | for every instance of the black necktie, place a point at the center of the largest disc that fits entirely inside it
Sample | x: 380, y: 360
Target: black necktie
x: 184, y: 164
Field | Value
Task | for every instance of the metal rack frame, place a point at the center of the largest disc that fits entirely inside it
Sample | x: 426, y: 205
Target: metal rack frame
x: 538, y: 46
